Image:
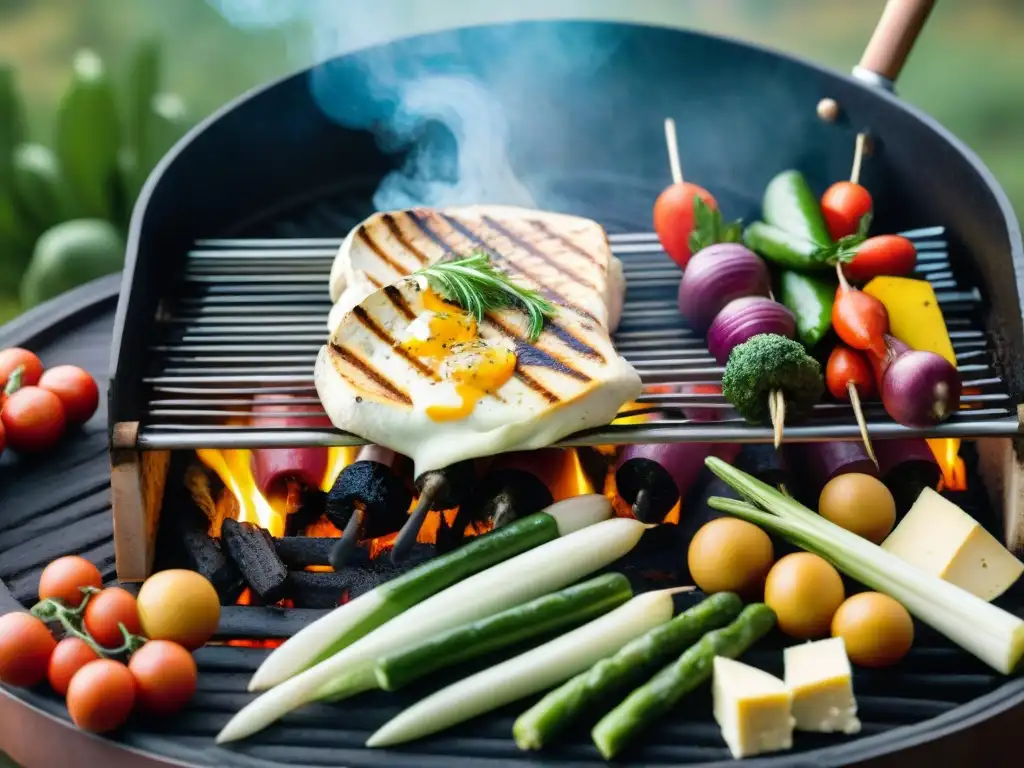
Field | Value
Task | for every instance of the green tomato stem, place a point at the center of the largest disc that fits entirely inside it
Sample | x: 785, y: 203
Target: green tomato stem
x: 71, y: 620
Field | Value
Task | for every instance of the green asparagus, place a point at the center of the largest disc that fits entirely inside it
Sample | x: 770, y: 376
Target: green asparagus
x: 570, y: 607
x: 633, y: 664
x: 616, y: 729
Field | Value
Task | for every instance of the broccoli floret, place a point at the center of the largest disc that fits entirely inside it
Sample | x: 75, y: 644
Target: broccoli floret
x: 770, y: 362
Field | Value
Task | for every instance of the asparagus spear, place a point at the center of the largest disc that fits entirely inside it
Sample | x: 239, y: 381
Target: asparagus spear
x: 631, y: 665
x: 616, y: 729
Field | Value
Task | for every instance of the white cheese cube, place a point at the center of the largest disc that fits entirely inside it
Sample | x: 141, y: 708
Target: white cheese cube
x: 819, y: 676
x: 752, y: 708
x: 941, y: 539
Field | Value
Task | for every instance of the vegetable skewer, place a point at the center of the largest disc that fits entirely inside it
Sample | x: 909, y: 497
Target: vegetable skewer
x: 638, y: 711
x: 439, y: 489
x: 533, y: 671
x: 860, y: 319
x: 531, y: 574
x: 848, y: 375
x: 993, y: 635
x: 557, y: 711
x: 569, y: 608
x: 358, y: 617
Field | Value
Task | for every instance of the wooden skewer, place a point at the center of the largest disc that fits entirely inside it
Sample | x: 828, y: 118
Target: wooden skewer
x: 859, y: 414
x: 778, y: 414
x: 843, y: 282
x: 858, y: 157
x: 346, y: 545
x: 673, y: 151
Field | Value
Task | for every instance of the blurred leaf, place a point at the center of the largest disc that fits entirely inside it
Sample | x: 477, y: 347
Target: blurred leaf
x: 10, y: 308
x: 12, y: 120
x: 40, y: 190
x: 168, y: 122
x: 15, y: 247
x: 68, y: 255
x: 88, y: 135
x: 143, y: 84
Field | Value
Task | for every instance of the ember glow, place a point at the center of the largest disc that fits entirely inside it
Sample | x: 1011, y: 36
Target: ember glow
x: 234, y: 469
x: 954, y: 471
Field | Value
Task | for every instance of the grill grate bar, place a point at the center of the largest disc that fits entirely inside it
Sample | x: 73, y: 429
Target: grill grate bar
x: 251, y: 316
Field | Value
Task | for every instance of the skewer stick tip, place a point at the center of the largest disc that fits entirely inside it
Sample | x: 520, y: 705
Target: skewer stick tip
x: 346, y: 545
x: 777, y: 406
x: 672, y: 142
x: 858, y: 157
x: 858, y: 413
x: 843, y: 282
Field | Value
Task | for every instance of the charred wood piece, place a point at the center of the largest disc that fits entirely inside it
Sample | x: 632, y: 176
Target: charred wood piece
x: 252, y: 549
x: 311, y: 507
x: 205, y: 555
x: 319, y: 590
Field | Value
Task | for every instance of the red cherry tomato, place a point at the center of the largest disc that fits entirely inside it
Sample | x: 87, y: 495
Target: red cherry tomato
x: 70, y: 655
x: 106, y: 610
x: 25, y: 649
x: 76, y: 389
x: 844, y: 204
x: 33, y: 419
x: 674, y: 218
x: 14, y: 358
x: 881, y: 255
x: 846, y: 365
x: 63, y: 578
x: 101, y: 696
x: 165, y: 677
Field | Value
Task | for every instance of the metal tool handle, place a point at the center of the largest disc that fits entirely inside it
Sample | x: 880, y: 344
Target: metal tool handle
x: 890, y: 44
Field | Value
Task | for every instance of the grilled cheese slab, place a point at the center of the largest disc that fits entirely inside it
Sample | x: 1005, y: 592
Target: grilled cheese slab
x: 565, y: 257
x: 407, y: 370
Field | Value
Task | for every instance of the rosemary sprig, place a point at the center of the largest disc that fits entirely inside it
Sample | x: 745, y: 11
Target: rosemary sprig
x: 478, y: 287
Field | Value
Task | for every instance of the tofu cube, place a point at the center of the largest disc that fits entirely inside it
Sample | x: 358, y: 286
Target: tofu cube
x: 939, y: 538
x: 752, y: 708
x: 820, y: 678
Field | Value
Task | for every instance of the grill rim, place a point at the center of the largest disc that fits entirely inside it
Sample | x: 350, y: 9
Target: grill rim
x: 37, y: 325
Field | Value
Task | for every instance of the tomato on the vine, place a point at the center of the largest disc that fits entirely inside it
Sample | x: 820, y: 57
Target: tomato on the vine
x: 101, y: 696
x: 33, y: 419
x: 25, y: 649
x: 70, y: 655
x: 165, y: 677
x: 64, y: 578
x: 108, y: 609
x: 76, y: 389
x: 12, y: 359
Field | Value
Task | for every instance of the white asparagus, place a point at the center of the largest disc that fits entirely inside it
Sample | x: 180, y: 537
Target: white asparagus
x: 536, y: 670
x: 534, y: 573
x: 302, y: 650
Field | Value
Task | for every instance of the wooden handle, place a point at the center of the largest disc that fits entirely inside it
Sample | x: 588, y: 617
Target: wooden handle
x: 894, y: 36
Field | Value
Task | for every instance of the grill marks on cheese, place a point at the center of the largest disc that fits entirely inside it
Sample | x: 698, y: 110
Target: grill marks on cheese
x: 402, y: 363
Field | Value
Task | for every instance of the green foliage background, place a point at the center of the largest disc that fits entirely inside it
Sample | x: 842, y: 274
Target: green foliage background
x: 967, y: 70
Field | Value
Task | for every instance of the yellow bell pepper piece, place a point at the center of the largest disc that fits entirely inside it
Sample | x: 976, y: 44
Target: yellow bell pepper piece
x: 915, y: 318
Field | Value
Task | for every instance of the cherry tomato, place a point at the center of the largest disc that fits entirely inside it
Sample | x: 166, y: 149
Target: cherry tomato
x: 881, y: 255
x: 101, y: 696
x: 14, y: 358
x: 63, y: 578
x: 76, y: 389
x: 165, y: 677
x: 844, y: 204
x: 674, y: 218
x: 70, y: 655
x: 25, y: 648
x: 106, y: 610
x: 33, y: 419
x: 846, y: 365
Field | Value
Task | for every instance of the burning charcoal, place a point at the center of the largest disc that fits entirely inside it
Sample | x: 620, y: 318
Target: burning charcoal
x: 203, y: 553
x: 299, y: 552
x: 596, y: 466
x: 377, y: 488
x: 253, y: 551
x: 311, y: 507
x: 318, y: 590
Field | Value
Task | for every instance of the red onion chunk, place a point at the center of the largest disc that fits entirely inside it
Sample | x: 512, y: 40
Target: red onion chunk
x: 742, y: 319
x: 717, y: 275
x: 896, y: 455
x: 920, y: 389
x: 273, y: 466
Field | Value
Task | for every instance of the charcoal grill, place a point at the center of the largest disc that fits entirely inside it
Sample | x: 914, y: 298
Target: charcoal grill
x: 224, y: 297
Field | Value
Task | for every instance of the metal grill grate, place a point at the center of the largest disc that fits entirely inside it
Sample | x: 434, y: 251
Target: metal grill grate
x: 251, y: 314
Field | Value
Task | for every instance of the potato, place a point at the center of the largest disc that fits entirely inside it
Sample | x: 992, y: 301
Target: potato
x: 859, y: 503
